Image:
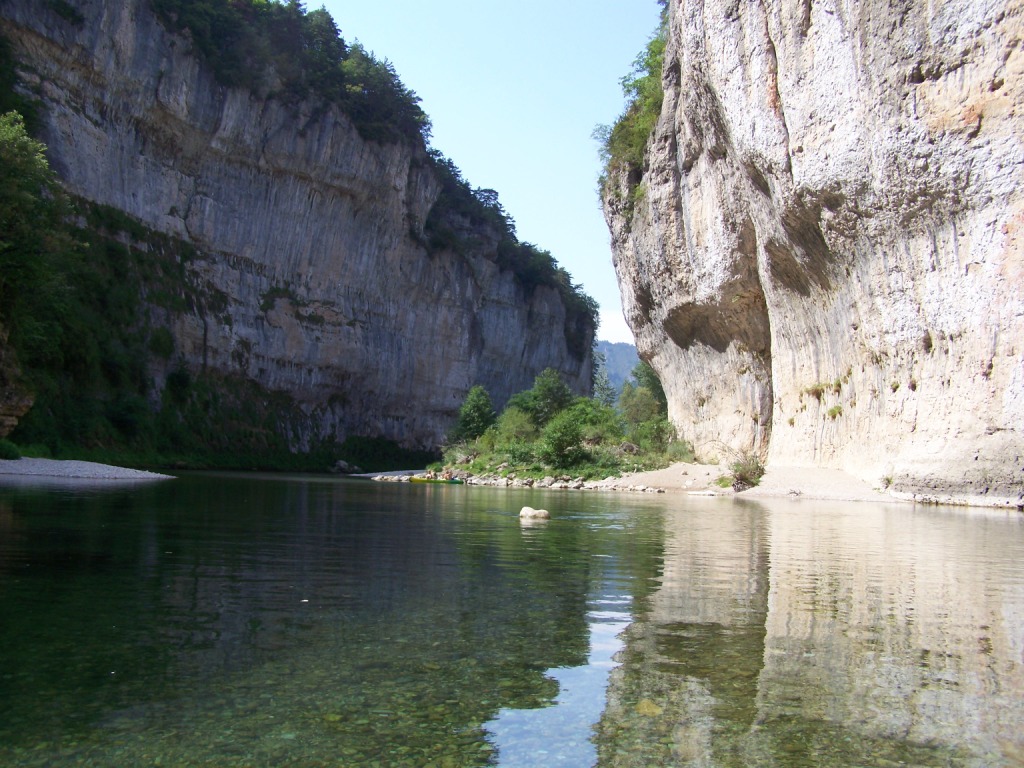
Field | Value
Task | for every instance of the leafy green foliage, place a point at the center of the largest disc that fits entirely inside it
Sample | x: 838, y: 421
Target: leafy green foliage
x: 35, y: 246
x: 9, y: 451
x: 639, y: 404
x: 278, y: 48
x: 599, y: 423
x: 646, y: 378
x: 464, y: 219
x: 623, y: 144
x: 562, y: 443
x: 645, y: 408
x: 653, y: 436
x: 475, y: 415
x: 514, y: 427
x: 545, y: 428
x: 604, y: 392
x: 747, y: 471
x: 161, y: 343
x: 71, y: 298
x: 549, y: 395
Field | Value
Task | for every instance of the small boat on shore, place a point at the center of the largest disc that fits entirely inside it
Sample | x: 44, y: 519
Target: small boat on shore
x: 436, y: 480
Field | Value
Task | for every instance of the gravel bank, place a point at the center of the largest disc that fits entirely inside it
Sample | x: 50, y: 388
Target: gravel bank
x: 82, y: 470
x: 778, y: 481
x: 699, y: 479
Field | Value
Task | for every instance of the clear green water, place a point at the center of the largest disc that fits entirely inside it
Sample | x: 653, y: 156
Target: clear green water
x: 253, y: 620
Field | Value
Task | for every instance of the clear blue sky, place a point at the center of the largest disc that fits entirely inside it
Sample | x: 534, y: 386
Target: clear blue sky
x: 514, y: 91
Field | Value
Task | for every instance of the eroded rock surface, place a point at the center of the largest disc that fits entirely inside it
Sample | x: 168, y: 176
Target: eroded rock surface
x: 824, y: 262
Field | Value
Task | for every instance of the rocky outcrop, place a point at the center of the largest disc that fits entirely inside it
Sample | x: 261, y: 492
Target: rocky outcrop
x: 309, y: 239
x: 823, y: 259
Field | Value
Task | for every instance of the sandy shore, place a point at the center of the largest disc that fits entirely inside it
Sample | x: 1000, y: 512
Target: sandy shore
x: 73, y: 470
x: 701, y: 480
x: 778, y: 481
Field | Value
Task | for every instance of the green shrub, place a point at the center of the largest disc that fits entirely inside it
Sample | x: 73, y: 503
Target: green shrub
x: 8, y: 450
x: 816, y: 391
x: 679, y: 450
x: 548, y: 397
x: 653, y: 436
x: 639, y: 405
x: 623, y: 144
x: 129, y: 414
x: 514, y: 425
x: 598, y: 422
x: 520, y: 453
x: 271, y: 295
x: 562, y: 442
x: 178, y: 383
x: 747, y: 471
x: 475, y: 416
x: 36, y: 451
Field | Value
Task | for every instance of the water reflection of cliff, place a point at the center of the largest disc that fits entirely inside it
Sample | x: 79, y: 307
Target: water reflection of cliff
x: 799, y: 634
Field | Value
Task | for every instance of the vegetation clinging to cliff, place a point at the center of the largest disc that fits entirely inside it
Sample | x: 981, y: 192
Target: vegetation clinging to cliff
x: 280, y: 49
x: 623, y: 144
x: 463, y: 213
x: 36, y: 249
x: 71, y: 299
x: 88, y: 314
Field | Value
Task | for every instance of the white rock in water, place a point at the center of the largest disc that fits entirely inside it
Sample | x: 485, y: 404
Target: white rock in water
x: 529, y: 513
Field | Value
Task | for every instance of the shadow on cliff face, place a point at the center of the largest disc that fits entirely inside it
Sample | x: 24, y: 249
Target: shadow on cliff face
x: 804, y: 259
x: 742, y: 320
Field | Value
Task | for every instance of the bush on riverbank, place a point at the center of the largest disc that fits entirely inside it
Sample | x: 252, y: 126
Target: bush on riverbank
x: 545, y: 431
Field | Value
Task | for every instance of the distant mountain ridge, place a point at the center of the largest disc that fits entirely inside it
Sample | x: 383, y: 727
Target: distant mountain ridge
x: 619, y: 360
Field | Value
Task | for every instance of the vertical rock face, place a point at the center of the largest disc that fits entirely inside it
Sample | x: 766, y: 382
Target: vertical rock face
x: 310, y: 239
x: 824, y: 261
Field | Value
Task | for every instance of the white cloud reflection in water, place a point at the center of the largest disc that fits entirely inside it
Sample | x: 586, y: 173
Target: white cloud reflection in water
x: 560, y: 734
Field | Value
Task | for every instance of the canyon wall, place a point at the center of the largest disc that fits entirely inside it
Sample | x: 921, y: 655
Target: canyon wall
x: 822, y: 257
x: 309, y: 240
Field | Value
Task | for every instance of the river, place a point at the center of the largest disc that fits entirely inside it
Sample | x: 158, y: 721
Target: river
x: 258, y: 620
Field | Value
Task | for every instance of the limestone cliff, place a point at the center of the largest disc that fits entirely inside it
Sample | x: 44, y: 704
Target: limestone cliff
x: 310, y: 241
x: 823, y: 258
